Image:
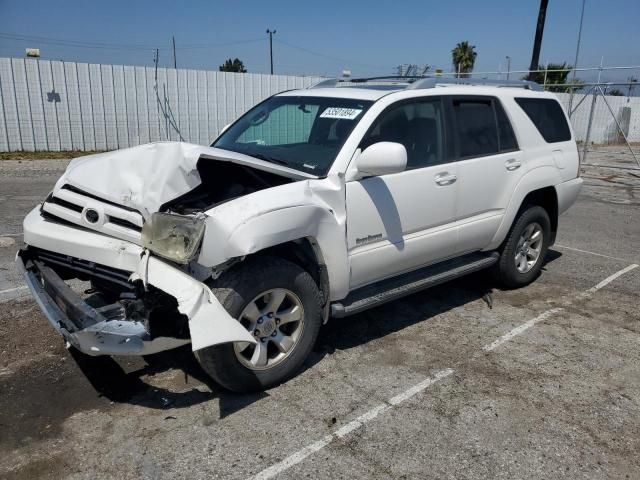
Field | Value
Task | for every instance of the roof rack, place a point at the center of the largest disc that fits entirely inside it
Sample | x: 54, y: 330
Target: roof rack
x: 411, y: 83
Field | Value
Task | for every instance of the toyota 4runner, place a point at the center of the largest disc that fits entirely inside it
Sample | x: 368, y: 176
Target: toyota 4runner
x: 316, y: 203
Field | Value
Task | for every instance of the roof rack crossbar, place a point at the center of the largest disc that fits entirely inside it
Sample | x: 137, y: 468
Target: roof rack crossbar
x: 432, y: 82
x: 419, y: 82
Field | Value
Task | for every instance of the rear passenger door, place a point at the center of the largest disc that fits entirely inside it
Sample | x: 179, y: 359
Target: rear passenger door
x: 489, y: 168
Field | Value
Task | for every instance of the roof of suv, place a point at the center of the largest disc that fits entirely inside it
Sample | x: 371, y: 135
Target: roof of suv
x: 374, y: 89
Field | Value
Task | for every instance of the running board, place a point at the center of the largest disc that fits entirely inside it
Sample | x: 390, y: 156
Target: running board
x: 391, y: 289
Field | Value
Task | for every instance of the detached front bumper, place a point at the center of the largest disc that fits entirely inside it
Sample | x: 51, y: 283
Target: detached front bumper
x: 88, y: 329
x: 98, y: 331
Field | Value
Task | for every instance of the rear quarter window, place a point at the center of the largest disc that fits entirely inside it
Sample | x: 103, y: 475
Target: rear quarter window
x: 548, y: 117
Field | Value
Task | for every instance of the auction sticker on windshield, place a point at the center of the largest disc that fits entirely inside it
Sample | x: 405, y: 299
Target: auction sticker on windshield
x: 341, y: 113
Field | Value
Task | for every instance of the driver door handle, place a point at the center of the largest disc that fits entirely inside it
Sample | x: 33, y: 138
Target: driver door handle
x: 446, y: 178
x: 512, y: 164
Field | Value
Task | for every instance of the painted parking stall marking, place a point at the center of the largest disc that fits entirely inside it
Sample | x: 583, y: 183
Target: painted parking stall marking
x: 375, y: 412
x: 550, y: 313
x: 314, y: 447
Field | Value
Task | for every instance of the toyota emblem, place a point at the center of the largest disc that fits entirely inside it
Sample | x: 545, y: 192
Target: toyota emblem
x: 92, y: 215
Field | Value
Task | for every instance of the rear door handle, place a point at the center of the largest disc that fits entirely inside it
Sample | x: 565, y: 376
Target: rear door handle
x: 513, y: 164
x: 446, y: 178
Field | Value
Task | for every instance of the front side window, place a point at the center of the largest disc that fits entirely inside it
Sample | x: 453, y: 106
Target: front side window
x: 418, y: 125
x: 303, y: 133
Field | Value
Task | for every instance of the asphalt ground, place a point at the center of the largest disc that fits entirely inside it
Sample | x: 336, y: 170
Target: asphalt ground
x: 461, y: 381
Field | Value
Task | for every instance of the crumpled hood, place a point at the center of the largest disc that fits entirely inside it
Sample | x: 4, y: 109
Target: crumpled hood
x: 147, y: 176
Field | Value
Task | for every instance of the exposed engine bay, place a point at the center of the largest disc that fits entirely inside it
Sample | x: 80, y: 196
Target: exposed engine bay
x: 221, y: 182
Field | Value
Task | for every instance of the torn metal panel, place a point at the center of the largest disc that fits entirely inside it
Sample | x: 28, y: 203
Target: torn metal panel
x: 306, y: 209
x: 209, y: 322
x: 89, y: 331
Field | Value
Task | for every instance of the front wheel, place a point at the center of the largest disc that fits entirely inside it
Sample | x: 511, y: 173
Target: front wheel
x: 524, y: 250
x: 280, y: 305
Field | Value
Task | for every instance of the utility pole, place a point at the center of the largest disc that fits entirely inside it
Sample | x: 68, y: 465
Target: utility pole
x: 175, y: 63
x: 271, y: 33
x: 575, y: 62
x: 537, y: 43
x: 508, y: 66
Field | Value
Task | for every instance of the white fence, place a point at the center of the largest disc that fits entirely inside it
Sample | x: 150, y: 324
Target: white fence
x: 54, y: 105
x: 603, y: 127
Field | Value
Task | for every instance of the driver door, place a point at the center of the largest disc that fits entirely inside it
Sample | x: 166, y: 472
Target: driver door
x: 403, y: 221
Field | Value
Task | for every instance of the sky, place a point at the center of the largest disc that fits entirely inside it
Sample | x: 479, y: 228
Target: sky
x: 320, y: 37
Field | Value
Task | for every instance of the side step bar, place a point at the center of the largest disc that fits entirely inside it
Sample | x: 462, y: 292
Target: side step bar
x: 391, y: 289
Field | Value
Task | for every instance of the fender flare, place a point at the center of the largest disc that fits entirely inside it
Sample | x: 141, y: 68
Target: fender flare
x: 535, y: 179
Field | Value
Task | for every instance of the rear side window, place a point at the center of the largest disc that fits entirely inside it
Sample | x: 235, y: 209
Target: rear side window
x: 548, y: 117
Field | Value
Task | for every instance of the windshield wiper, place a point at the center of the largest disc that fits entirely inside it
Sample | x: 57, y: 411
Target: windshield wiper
x: 267, y: 158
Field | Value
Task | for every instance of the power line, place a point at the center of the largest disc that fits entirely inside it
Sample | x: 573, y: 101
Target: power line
x: 118, y: 46
x: 331, y: 57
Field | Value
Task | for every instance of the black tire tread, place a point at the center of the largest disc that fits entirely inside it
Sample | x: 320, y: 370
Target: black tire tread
x: 504, y: 271
x: 219, y: 361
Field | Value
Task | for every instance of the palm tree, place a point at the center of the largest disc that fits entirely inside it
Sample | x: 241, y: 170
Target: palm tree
x: 464, y: 57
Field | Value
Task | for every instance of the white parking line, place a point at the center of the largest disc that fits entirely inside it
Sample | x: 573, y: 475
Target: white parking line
x: 610, y: 279
x: 564, y: 247
x: 318, y: 445
x: 544, y: 315
x: 521, y: 328
x: 310, y: 449
x: 15, y: 289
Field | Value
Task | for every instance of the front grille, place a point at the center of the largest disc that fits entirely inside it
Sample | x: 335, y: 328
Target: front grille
x: 83, y: 269
x: 69, y: 205
x: 125, y: 223
x: 65, y: 204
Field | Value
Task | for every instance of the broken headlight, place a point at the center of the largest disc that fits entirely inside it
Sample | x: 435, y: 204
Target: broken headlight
x: 175, y: 237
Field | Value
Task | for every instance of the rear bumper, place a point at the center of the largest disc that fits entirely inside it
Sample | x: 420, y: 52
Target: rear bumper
x: 567, y: 193
x: 83, y: 326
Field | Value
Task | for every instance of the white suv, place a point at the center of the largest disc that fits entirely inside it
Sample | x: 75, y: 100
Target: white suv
x: 316, y: 203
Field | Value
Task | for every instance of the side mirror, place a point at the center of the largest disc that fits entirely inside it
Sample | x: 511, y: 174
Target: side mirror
x: 382, y: 158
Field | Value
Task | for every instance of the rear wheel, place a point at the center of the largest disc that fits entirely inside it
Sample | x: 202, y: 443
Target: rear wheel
x: 524, y: 250
x: 280, y: 305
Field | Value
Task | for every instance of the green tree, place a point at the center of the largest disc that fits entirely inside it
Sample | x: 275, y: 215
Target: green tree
x: 615, y: 92
x: 234, y: 65
x: 463, y: 58
x: 554, y: 76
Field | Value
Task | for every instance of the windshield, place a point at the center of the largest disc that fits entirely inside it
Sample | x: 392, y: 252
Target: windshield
x: 304, y: 133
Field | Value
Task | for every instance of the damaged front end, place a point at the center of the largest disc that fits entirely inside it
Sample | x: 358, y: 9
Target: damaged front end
x: 114, y: 317
x: 145, y: 307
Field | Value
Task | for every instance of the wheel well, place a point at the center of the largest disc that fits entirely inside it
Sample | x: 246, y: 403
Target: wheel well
x: 547, y: 199
x: 305, y: 253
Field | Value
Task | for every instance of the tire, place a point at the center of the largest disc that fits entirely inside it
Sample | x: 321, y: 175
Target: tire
x: 509, y: 270
x: 255, y: 283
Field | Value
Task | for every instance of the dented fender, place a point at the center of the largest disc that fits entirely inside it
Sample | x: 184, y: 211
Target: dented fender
x: 312, y: 209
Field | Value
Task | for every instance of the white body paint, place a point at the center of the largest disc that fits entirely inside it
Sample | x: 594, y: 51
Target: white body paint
x: 407, y: 218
